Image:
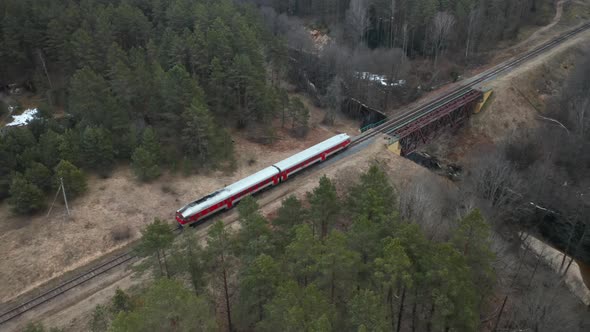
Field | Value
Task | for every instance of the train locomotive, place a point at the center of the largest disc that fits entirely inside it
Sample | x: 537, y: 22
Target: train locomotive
x: 226, y: 198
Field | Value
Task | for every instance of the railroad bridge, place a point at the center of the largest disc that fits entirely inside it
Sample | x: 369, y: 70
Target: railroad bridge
x: 412, y: 131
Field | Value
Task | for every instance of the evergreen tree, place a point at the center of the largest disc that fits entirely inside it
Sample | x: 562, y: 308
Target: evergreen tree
x: 189, y: 257
x: 151, y: 143
x: 144, y: 164
x: 254, y: 237
x: 373, y: 197
x: 391, y: 273
x: 25, y: 197
x: 97, y: 150
x: 219, y: 41
x: 121, y: 301
x: 70, y: 147
x: 73, y: 178
x: 367, y: 312
x: 290, y: 214
x: 155, y: 240
x: 325, y: 207
x: 7, y: 164
x: 472, y: 239
x: 100, y: 320
x: 167, y: 306
x: 338, y: 267
x: 90, y: 98
x: 301, y: 256
x: 217, y: 88
x: 202, y: 140
x: 298, y: 308
x: 258, y: 283
x: 49, y: 148
x: 222, y: 266
x: 39, y: 175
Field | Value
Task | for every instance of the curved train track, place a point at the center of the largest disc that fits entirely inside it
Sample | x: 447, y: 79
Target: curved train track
x: 387, y: 127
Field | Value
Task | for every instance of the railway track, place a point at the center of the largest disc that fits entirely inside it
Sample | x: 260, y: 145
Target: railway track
x: 419, y: 111
x: 387, y: 127
x: 64, y: 287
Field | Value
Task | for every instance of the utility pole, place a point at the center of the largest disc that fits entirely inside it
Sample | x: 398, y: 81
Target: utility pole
x: 63, y: 190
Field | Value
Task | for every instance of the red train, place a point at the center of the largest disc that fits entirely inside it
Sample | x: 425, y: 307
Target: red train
x: 225, y: 198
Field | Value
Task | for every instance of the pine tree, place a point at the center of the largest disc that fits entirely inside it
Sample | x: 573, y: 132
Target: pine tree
x: 472, y: 239
x: 202, y: 140
x: 73, y: 179
x: 167, y: 306
x: 391, y: 273
x: 338, y: 267
x: 39, y: 175
x: 121, y: 301
x: 217, y: 88
x: 145, y: 164
x: 254, y: 237
x: 70, y: 147
x: 367, y: 311
x: 219, y: 41
x: 290, y: 214
x: 258, y: 283
x: 97, y: 150
x: 222, y: 265
x: 156, y: 238
x: 373, y: 197
x: 90, y: 98
x: 298, y: 308
x: 25, y: 197
x: 325, y: 207
x: 301, y: 256
x: 151, y: 143
x: 49, y: 147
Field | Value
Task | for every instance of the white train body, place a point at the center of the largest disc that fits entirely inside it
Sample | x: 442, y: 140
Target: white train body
x: 226, y: 197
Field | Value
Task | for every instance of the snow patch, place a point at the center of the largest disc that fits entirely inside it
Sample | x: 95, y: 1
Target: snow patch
x: 23, y: 119
x: 381, y: 79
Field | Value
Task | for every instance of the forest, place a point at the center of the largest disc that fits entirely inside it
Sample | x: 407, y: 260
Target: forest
x: 330, y: 262
x: 161, y: 84
x: 156, y: 84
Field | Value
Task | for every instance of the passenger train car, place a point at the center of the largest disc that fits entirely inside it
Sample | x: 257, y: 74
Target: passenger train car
x: 225, y: 198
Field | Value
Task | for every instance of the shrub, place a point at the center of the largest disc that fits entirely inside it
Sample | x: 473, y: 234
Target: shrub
x: 120, y: 233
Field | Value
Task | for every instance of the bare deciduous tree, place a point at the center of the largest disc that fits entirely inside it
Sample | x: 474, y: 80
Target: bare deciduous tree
x: 357, y: 20
x: 442, y: 25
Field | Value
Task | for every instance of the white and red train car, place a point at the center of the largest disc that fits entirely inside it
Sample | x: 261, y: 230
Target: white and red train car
x: 226, y: 197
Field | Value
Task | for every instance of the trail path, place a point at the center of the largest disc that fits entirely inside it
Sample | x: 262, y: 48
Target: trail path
x: 558, y: 13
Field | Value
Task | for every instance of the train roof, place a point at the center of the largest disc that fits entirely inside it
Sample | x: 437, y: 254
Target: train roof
x: 313, y: 151
x: 227, y: 192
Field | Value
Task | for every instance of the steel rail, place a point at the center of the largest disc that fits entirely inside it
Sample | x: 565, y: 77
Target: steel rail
x: 388, y: 126
x: 64, y: 287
